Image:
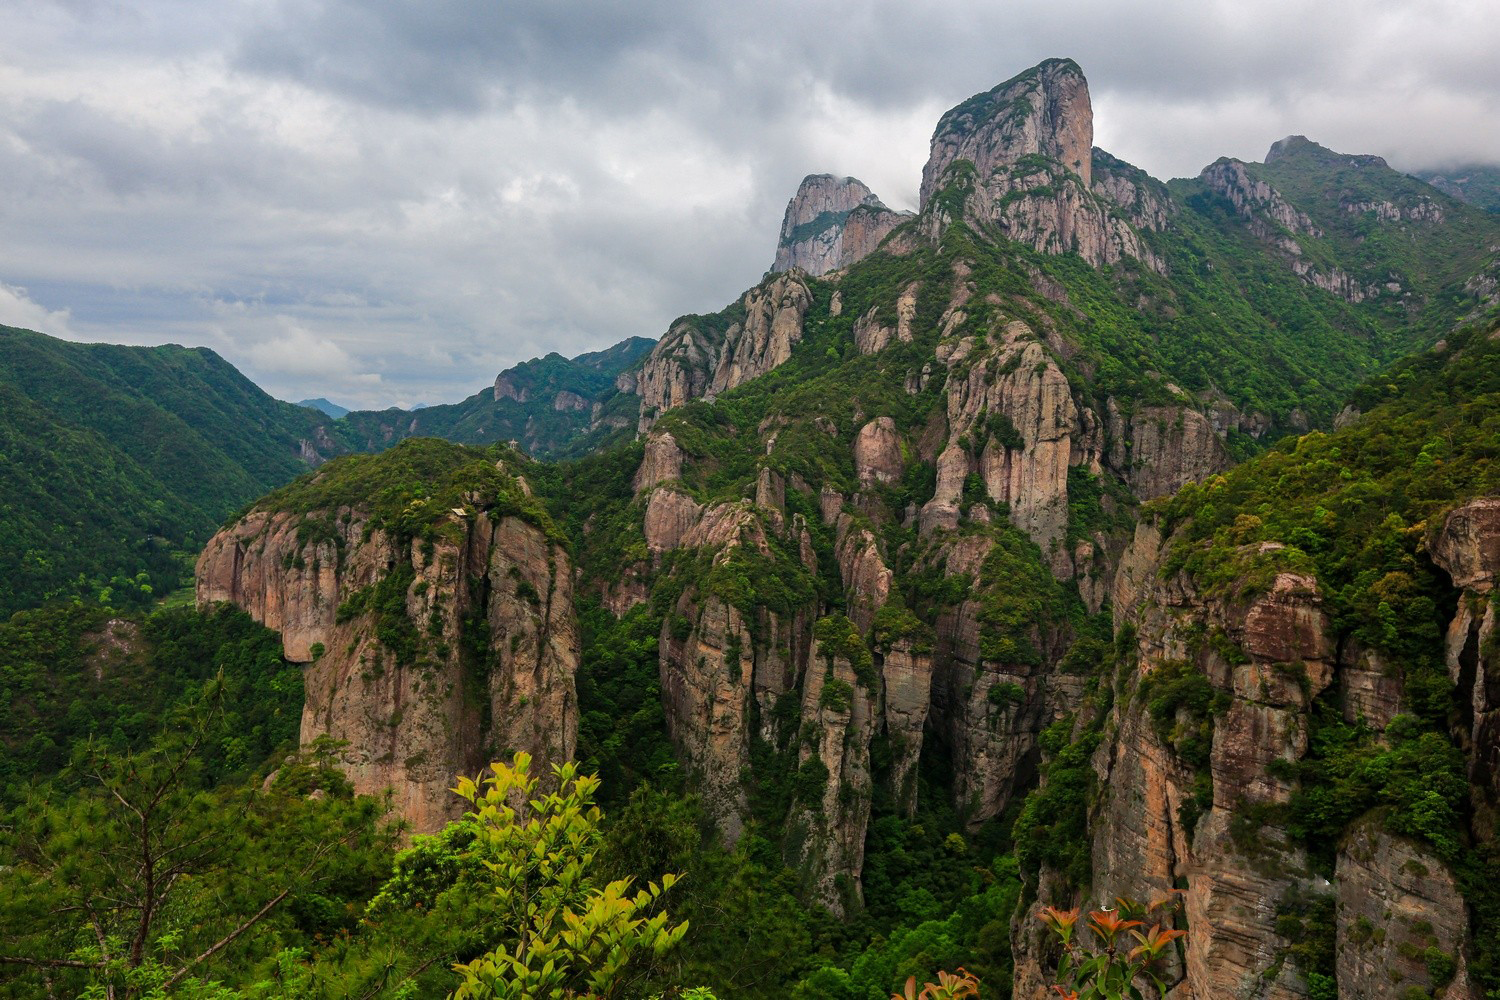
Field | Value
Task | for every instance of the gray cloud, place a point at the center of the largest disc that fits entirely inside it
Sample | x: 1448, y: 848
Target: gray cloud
x: 388, y: 201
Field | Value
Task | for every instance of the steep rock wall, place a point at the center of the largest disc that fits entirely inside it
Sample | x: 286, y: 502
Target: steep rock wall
x: 483, y: 665
x: 696, y: 361
x: 831, y: 223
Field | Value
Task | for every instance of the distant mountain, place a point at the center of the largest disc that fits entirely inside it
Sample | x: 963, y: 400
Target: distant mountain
x: 334, y: 410
x: 1478, y: 184
x: 116, y: 460
x: 546, y: 405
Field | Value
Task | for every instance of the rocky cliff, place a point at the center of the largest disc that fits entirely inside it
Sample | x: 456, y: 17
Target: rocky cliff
x: 903, y: 576
x: 435, y: 642
x: 830, y: 223
x: 1021, y: 157
x: 702, y: 357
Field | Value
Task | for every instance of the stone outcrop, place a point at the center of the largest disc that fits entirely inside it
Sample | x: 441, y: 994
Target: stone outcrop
x: 1045, y: 111
x: 830, y: 223
x: 1276, y: 223
x: 1266, y: 655
x: 1466, y: 545
x: 1023, y: 461
x: 1401, y: 918
x: 696, y: 361
x: 877, y: 453
x: 661, y: 462
x: 416, y: 716
x: 827, y: 839
x: 1022, y: 157
x: 1167, y: 447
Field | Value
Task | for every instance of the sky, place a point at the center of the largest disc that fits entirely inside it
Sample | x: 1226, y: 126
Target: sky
x: 387, y: 202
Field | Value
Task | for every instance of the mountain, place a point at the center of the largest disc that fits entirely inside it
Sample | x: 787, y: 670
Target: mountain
x: 830, y: 223
x: 1079, y: 535
x: 118, y: 460
x: 1479, y: 184
x: 322, y: 405
x: 549, y: 406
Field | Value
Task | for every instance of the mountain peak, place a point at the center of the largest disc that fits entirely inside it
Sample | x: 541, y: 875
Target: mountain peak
x: 1300, y: 147
x: 1043, y: 111
x: 821, y: 231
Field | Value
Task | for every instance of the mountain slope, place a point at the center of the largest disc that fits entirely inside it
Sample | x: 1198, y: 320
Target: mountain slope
x: 546, y: 405
x: 1479, y: 185
x: 117, y: 457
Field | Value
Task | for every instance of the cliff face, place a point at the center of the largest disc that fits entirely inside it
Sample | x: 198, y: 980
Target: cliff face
x: 1021, y: 156
x: 1186, y: 788
x: 430, y: 656
x: 695, y: 360
x: 1467, y: 547
x: 831, y: 223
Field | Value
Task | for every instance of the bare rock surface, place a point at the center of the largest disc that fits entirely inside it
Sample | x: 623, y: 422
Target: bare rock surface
x: 413, y: 724
x: 831, y: 223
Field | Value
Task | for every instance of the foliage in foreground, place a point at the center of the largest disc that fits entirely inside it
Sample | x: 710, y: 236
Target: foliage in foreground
x: 1098, y: 962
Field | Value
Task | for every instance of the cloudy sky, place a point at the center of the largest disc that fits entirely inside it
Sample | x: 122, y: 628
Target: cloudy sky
x: 387, y: 202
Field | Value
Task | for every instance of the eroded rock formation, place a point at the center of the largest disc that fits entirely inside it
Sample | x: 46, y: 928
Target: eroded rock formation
x: 429, y: 657
x: 830, y: 223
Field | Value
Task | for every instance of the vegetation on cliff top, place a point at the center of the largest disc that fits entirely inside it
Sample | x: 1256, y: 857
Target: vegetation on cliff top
x: 413, y: 487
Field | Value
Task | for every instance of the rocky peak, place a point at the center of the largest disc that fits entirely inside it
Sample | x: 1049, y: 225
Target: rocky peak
x: 830, y: 223
x: 1300, y: 147
x: 1044, y: 111
x: 1019, y: 162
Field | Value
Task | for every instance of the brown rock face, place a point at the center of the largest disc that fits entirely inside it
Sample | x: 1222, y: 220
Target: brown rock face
x: 830, y: 223
x: 413, y: 721
x: 877, y: 452
x: 661, y: 463
x: 694, y: 361
x: 1045, y: 111
x: 1468, y: 544
x: 706, y: 683
x: 1266, y: 657
x: 1026, y: 465
x: 1030, y: 143
x: 1395, y: 902
x: 1170, y: 446
x: 828, y: 836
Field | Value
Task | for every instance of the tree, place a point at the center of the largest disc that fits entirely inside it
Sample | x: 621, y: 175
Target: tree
x: 563, y: 935
x: 148, y: 875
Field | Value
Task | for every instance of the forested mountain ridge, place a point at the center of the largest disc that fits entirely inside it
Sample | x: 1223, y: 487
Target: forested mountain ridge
x: 550, y: 406
x: 119, y: 462
x: 931, y: 593
x: 118, y: 459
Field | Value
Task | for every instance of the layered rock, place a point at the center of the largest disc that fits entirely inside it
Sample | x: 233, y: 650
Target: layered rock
x: 1021, y: 157
x: 420, y: 709
x: 1403, y: 925
x: 1266, y: 655
x: 1467, y: 546
x: 1013, y: 422
x: 831, y: 223
x: 696, y: 361
x: 827, y: 833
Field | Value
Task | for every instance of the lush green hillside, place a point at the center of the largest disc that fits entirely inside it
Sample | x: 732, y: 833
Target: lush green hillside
x: 545, y: 405
x: 1478, y: 185
x: 119, y: 460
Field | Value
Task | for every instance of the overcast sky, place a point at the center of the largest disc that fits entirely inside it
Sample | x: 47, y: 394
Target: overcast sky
x: 387, y: 202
